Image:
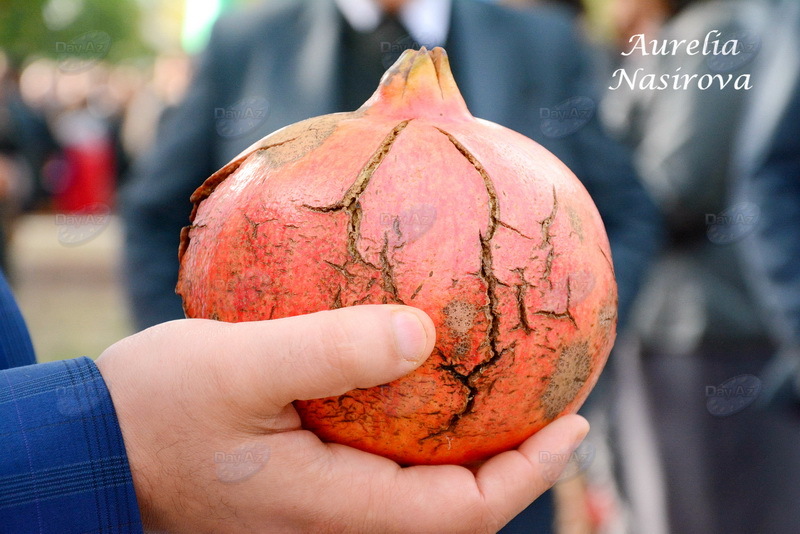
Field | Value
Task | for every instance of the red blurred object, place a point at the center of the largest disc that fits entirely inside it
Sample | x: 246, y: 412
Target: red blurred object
x: 89, y: 177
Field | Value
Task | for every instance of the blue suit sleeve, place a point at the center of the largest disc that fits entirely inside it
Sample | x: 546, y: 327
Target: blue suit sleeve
x: 64, y: 468
x: 15, y: 342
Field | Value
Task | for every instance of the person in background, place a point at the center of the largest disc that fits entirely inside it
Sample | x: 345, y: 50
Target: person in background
x: 149, y: 92
x: 143, y: 439
x: 698, y: 319
x: 767, y: 172
x: 25, y: 143
x: 767, y: 176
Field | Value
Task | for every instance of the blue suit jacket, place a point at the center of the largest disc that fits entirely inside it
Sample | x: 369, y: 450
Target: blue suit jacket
x: 63, y: 467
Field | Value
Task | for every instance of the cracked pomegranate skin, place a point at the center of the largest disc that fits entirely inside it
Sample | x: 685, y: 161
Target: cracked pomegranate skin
x: 411, y: 200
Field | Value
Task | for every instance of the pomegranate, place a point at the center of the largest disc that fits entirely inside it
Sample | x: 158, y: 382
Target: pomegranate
x: 411, y: 200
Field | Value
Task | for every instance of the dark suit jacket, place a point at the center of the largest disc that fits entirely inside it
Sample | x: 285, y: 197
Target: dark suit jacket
x: 767, y: 175
x: 283, y: 58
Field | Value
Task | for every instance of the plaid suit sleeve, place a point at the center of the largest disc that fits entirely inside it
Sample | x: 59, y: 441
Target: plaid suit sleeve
x: 63, y: 467
x: 15, y: 342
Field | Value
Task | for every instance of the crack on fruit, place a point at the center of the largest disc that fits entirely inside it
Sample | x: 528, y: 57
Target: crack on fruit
x: 416, y: 291
x: 341, y: 269
x: 253, y: 225
x: 553, y: 315
x: 486, y: 273
x: 354, y: 234
x: 468, y: 381
x: 546, y: 241
x: 274, y: 145
x: 608, y: 260
x: 548, y: 267
x: 548, y: 221
x: 515, y: 230
x: 486, y: 270
x: 387, y: 271
x: 521, y: 291
x: 567, y: 314
x: 471, y: 392
x: 337, y: 299
x: 350, y: 201
x: 353, y: 193
x: 396, y: 228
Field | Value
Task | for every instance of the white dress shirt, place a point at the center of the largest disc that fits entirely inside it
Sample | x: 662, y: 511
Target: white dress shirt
x: 426, y: 20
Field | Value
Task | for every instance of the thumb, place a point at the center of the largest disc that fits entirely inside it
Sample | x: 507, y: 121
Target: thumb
x: 326, y: 353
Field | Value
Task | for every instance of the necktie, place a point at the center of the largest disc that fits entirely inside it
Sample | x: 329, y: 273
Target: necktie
x: 366, y: 55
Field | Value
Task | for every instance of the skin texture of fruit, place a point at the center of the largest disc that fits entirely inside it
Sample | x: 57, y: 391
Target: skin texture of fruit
x: 411, y: 200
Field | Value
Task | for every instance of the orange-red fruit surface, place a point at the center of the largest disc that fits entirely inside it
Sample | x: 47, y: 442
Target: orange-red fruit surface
x: 412, y: 200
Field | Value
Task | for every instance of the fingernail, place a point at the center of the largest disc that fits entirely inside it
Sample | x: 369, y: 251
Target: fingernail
x: 409, y: 335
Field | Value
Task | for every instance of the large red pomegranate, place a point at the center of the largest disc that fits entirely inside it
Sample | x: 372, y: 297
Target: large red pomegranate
x: 412, y: 200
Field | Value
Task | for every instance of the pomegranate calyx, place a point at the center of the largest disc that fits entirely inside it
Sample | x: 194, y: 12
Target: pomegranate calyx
x: 420, y: 84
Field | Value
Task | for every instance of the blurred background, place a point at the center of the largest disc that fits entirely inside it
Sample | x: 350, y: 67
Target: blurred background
x: 82, y: 86
x: 696, y: 423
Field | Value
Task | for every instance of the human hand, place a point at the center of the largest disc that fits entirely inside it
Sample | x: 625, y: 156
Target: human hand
x: 215, y: 445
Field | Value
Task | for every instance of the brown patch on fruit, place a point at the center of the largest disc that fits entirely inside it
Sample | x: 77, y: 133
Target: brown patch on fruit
x: 459, y: 316
x: 572, y: 371
x: 607, y: 316
x: 576, y: 223
x: 461, y: 348
x: 295, y: 145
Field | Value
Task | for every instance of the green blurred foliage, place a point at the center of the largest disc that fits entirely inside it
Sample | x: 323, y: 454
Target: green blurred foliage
x: 26, y: 30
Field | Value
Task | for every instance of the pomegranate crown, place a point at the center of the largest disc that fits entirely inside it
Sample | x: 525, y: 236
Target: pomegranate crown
x: 419, y: 84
